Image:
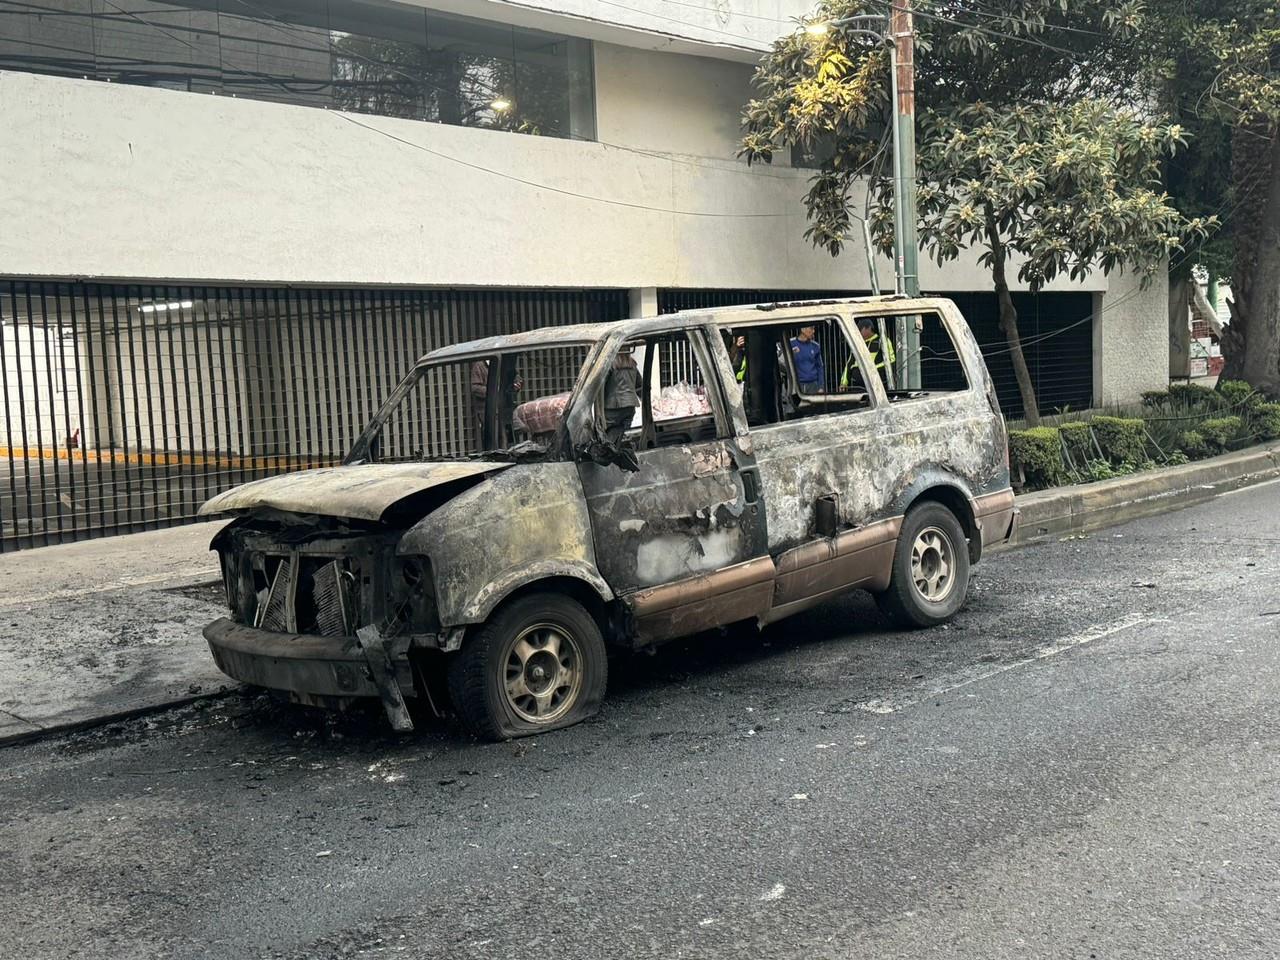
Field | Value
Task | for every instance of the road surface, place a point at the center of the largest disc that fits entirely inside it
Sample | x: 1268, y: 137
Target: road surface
x: 1086, y: 764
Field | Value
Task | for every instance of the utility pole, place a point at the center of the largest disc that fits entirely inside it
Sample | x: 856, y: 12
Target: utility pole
x: 907, y: 244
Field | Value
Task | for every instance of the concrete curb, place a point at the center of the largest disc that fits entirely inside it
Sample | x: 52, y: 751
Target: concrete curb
x: 1062, y: 511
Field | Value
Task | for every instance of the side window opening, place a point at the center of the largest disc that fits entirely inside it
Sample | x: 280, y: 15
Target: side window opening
x: 936, y: 367
x: 656, y: 394
x: 801, y: 368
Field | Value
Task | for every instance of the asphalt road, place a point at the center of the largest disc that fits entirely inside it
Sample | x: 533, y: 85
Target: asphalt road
x: 1085, y: 765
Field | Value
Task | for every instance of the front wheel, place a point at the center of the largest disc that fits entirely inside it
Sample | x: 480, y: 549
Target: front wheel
x: 538, y: 664
x: 930, y: 568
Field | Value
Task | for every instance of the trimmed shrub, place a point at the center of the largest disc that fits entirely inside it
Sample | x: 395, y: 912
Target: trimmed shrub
x: 1220, y: 432
x: 1075, y: 437
x: 1238, y: 395
x: 1193, y: 444
x: 1123, y: 440
x: 1266, y: 421
x: 1154, y: 399
x: 1196, y: 395
x: 1039, y: 455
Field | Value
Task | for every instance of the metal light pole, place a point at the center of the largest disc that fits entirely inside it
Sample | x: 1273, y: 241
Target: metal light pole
x: 901, y: 39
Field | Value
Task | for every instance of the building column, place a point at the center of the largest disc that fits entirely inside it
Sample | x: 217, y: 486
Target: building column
x: 1130, y: 338
x: 644, y: 302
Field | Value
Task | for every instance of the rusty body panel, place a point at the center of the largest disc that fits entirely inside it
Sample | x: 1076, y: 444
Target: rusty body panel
x: 809, y: 574
x: 337, y: 576
x: 527, y: 524
x: 362, y: 491
x: 743, y: 591
x: 995, y: 516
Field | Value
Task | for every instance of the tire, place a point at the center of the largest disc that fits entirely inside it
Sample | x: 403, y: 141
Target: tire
x: 930, y: 577
x: 537, y: 664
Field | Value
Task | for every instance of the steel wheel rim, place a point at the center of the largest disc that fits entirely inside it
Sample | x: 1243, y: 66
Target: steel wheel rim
x: 542, y: 673
x: 933, y: 564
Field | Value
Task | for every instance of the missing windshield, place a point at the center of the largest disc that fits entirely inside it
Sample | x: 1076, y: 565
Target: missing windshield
x: 504, y: 406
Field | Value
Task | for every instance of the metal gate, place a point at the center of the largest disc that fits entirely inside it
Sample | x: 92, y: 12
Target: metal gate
x: 1056, y: 331
x: 127, y: 406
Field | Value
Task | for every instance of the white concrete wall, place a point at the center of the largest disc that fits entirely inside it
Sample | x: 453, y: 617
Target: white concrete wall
x: 636, y: 91
x: 1130, y: 338
x: 112, y: 181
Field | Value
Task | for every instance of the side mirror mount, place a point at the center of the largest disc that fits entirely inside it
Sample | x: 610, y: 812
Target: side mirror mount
x: 603, y: 453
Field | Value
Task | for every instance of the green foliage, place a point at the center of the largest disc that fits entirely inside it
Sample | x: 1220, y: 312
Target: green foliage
x: 1152, y: 399
x: 1238, y: 395
x: 1220, y: 433
x: 1195, y: 395
x: 1266, y: 420
x: 1193, y: 445
x: 1066, y: 188
x: 1121, y: 439
x: 1077, y: 440
x: 1039, y: 455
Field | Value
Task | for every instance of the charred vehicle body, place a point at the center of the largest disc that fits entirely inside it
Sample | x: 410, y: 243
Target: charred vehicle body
x: 520, y: 502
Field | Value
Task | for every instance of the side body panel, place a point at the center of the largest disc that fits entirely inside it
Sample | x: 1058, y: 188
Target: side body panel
x: 525, y: 524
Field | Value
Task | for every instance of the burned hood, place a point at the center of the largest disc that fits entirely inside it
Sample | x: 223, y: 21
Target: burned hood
x: 361, y: 492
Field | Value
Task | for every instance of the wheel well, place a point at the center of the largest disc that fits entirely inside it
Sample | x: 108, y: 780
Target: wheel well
x: 579, y: 590
x: 955, y: 501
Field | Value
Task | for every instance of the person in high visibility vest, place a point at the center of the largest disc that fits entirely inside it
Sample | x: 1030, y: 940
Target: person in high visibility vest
x: 738, y: 358
x: 867, y: 327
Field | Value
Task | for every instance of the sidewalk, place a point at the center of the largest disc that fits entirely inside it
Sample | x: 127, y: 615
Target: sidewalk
x: 96, y: 630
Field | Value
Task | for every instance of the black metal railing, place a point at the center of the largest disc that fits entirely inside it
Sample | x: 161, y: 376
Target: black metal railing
x: 126, y: 406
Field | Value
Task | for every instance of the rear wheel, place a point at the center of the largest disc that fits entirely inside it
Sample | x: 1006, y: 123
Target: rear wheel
x: 538, y: 664
x: 930, y: 568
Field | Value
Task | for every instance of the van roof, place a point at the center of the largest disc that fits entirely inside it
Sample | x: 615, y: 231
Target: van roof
x: 594, y: 332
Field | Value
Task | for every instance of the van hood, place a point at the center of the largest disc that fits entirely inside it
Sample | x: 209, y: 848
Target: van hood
x: 363, y: 491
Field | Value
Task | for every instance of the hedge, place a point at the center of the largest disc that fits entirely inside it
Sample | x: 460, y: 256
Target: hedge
x: 1123, y: 440
x: 1186, y: 421
x: 1038, y: 453
x: 1219, y: 432
x: 1267, y: 418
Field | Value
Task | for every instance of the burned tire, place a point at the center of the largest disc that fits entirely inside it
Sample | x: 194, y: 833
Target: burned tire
x: 538, y: 664
x: 930, y: 568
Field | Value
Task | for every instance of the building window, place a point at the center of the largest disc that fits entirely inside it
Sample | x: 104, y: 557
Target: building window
x: 365, y: 56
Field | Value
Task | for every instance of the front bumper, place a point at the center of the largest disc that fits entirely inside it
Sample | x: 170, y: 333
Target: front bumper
x: 306, y: 665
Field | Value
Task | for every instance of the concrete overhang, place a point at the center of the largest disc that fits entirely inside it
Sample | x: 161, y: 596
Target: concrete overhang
x: 738, y: 30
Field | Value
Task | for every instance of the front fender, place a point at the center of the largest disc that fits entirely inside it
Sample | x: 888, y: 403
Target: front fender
x: 507, y: 583
x: 517, y: 526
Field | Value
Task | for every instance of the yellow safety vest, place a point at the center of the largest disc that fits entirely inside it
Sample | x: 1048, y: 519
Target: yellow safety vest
x: 876, y: 359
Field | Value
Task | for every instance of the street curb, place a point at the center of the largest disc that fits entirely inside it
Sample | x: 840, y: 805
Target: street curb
x: 102, y: 720
x: 1052, y: 514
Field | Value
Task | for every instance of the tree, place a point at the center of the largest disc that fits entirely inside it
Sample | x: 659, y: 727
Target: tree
x: 1022, y: 150
x: 1219, y: 65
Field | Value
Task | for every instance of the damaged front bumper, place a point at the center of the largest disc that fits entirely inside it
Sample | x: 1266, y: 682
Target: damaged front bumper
x: 322, y: 671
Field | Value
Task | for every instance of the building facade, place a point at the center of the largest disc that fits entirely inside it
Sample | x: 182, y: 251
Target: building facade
x: 230, y: 224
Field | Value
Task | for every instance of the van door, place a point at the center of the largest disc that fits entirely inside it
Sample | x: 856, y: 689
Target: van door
x: 683, y: 539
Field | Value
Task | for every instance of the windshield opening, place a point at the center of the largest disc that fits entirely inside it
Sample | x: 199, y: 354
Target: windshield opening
x: 503, y: 406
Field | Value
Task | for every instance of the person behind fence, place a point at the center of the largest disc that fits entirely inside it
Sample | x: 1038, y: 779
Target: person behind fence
x: 622, y: 388
x: 807, y: 353
x: 879, y: 357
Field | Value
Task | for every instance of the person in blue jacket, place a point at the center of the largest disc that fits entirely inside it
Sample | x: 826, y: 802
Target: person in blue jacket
x: 807, y: 353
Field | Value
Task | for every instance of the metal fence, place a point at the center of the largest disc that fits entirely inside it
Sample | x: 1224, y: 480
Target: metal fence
x: 126, y: 406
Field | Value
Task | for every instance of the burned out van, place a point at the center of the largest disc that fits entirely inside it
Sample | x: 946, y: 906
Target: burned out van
x: 520, y: 502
